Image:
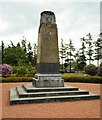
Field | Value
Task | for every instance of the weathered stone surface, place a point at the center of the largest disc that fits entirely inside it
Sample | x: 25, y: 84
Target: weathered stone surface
x: 29, y: 94
x: 48, y: 76
x: 47, y: 17
x: 48, y: 83
x: 48, y: 44
x: 48, y: 55
x: 23, y: 94
x: 47, y: 86
x: 48, y: 80
x: 48, y: 68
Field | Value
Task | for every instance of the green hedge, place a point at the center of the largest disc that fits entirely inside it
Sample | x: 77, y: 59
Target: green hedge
x: 16, y: 79
x: 81, y: 78
x: 17, y: 75
x: 68, y: 77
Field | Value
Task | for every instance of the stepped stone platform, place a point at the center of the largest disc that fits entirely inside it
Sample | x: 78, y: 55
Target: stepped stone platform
x: 29, y: 94
x: 48, y: 86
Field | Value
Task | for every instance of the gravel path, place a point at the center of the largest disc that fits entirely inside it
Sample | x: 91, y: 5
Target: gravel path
x: 76, y: 109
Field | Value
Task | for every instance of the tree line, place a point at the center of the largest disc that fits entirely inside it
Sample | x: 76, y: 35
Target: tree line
x: 70, y: 57
x: 89, y: 51
x: 20, y: 54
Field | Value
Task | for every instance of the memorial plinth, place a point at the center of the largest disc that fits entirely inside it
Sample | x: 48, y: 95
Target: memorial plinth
x: 48, y: 68
x: 47, y: 86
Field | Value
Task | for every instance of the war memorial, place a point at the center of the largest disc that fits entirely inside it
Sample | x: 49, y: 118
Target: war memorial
x: 47, y: 85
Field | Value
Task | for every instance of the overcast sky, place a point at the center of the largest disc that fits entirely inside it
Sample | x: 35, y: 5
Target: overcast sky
x: 74, y: 20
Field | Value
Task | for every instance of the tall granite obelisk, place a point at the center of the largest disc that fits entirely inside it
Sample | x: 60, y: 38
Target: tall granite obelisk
x: 48, y: 69
x: 47, y: 85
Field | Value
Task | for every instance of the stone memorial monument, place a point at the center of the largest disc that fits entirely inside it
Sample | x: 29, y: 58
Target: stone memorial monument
x: 47, y: 86
x: 48, y: 68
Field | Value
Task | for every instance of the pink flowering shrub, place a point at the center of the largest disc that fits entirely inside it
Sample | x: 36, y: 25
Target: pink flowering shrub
x: 5, y: 69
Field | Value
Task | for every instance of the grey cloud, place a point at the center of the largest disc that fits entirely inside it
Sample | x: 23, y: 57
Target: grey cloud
x: 23, y: 16
x: 19, y: 16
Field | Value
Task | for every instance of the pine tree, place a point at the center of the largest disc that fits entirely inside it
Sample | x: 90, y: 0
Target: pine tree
x: 98, y: 49
x: 70, y: 49
x: 30, y: 52
x: 82, y: 57
x: 2, y: 52
x: 76, y: 56
x: 62, y: 53
x: 24, y: 44
x: 89, y: 51
x: 18, y: 44
x: 12, y: 45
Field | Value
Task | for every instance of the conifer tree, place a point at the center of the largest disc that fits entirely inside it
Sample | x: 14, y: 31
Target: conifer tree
x: 30, y: 52
x: 82, y: 57
x: 70, y: 49
x: 98, y: 49
x: 89, y: 51
x: 2, y: 52
x: 62, y: 52
x: 24, y: 44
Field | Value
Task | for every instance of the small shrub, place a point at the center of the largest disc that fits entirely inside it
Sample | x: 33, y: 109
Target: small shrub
x: 99, y: 71
x: 32, y: 71
x: 15, y: 69
x: 91, y: 70
x: 24, y: 70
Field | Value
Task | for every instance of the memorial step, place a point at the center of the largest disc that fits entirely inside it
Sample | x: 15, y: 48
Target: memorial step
x: 14, y: 98
x: 22, y: 93
x: 31, y: 88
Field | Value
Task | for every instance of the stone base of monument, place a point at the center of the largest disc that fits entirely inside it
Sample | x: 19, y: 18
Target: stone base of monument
x: 48, y: 80
x: 48, y: 83
x: 28, y: 93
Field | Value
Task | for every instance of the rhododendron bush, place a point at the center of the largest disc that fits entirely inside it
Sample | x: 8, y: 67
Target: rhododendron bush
x: 5, y: 69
